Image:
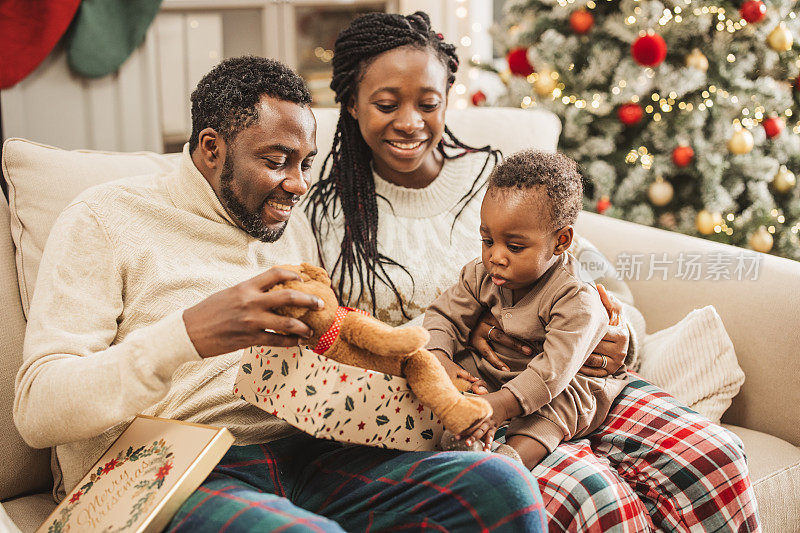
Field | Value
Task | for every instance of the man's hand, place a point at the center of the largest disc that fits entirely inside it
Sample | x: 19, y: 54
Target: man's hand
x: 609, y: 354
x: 504, y: 406
x: 240, y: 316
x: 488, y: 331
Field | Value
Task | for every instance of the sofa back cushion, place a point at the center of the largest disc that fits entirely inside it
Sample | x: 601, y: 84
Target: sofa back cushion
x: 24, y: 469
x: 43, y: 180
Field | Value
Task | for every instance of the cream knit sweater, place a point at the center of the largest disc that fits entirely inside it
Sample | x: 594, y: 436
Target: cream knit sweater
x: 106, y: 338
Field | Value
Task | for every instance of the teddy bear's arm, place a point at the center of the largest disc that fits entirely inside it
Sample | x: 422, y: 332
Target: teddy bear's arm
x: 374, y: 336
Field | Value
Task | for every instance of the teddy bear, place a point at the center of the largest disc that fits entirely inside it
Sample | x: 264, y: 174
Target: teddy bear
x: 356, y: 338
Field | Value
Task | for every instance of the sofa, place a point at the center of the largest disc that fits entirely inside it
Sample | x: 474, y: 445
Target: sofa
x: 762, y: 316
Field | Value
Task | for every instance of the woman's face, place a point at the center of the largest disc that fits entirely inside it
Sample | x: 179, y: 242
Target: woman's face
x: 400, y: 106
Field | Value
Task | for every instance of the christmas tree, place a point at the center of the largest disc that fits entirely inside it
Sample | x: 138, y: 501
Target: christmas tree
x: 683, y: 115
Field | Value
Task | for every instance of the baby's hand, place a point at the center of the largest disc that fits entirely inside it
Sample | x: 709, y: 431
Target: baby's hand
x: 484, y: 430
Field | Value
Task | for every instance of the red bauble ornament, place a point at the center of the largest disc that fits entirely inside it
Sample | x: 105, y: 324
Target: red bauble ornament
x: 773, y: 126
x: 518, y: 62
x: 630, y: 113
x: 478, y: 98
x: 753, y: 11
x: 602, y: 204
x: 682, y: 155
x: 649, y: 50
x: 581, y: 21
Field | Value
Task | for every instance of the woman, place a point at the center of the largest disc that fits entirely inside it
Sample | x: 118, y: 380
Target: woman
x: 397, y: 216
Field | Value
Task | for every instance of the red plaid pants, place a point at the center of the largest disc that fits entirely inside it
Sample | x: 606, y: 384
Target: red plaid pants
x: 653, y: 465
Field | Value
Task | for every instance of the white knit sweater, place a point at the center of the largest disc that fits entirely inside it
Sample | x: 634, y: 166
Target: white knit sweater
x: 106, y: 338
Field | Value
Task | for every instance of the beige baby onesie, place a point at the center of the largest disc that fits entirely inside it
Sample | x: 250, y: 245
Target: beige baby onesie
x: 562, y: 318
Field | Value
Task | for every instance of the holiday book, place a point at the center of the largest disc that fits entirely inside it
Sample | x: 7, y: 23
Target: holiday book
x: 142, y: 479
x: 331, y: 400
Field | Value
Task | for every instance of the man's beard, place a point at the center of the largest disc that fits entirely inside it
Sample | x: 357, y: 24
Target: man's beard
x: 251, y: 222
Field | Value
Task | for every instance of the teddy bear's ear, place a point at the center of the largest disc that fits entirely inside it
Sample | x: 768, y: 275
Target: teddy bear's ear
x: 316, y: 273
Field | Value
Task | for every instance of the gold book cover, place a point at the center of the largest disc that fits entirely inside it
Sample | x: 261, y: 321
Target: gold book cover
x: 142, y: 479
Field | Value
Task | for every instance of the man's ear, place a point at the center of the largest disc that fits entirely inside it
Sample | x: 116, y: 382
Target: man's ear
x: 563, y: 240
x: 211, y: 148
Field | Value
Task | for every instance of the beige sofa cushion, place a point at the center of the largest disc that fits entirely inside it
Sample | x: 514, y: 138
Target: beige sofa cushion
x: 775, y: 473
x: 42, y: 180
x: 30, y: 512
x: 31, y: 468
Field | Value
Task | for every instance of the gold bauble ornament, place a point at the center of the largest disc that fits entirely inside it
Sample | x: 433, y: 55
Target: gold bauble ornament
x: 505, y: 76
x: 697, y: 60
x: 780, y: 39
x: 761, y: 240
x: 741, y: 142
x: 784, y: 181
x: 544, y: 84
x: 660, y: 192
x: 706, y: 221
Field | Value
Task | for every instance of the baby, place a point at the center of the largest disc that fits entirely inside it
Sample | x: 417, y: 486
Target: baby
x: 532, y: 286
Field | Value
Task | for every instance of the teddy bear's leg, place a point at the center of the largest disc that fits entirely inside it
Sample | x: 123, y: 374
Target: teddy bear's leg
x: 428, y: 379
x: 374, y: 336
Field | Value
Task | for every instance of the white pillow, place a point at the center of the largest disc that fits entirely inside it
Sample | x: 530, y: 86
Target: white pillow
x: 694, y: 361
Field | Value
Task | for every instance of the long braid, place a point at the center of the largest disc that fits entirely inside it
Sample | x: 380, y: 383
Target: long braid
x: 349, y: 185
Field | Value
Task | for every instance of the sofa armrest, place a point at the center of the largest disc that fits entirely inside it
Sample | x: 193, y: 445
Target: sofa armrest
x: 761, y: 315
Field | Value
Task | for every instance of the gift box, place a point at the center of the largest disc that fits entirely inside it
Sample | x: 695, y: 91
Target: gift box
x: 330, y: 400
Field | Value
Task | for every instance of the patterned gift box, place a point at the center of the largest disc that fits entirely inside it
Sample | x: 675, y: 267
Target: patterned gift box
x: 334, y: 401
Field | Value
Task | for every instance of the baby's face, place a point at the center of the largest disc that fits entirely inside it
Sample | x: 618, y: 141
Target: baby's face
x: 518, y: 243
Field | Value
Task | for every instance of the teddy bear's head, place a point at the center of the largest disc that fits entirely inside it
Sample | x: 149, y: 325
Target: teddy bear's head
x: 313, y: 280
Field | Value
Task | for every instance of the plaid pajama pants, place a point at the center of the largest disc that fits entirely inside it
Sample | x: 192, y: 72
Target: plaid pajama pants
x: 654, y: 464
x: 303, y: 484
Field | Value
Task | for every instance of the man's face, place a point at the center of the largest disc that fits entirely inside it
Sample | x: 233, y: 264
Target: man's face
x: 267, y: 168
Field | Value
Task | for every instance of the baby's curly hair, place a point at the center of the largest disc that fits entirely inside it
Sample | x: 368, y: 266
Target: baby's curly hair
x: 225, y: 99
x: 557, y: 174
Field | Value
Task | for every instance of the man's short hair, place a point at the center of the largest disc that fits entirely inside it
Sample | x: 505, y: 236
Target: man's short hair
x: 554, y: 173
x: 225, y: 99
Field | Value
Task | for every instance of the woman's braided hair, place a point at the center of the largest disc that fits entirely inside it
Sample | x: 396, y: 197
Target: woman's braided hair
x: 349, y: 185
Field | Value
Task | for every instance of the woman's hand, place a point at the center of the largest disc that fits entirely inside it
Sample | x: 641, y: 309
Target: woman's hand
x: 609, y: 354
x: 488, y: 331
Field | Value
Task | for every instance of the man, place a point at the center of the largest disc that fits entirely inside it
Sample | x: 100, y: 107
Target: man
x: 149, y: 288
